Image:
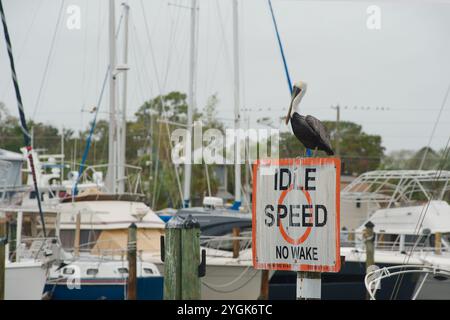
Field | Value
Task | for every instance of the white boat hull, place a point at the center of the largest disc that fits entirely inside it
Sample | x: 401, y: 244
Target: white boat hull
x: 24, y: 281
x: 228, y: 282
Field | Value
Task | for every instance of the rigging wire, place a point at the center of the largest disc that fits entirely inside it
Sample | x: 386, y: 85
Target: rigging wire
x: 171, y: 49
x: 421, y: 219
x: 161, y: 92
x: 83, y: 78
x: 223, y: 49
x: 434, y: 127
x: 24, y: 128
x: 24, y: 43
x: 47, y: 65
x: 94, y: 123
x: 286, y: 70
x: 425, y: 208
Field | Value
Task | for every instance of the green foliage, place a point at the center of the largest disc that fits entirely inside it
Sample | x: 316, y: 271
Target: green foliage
x: 411, y: 160
x: 359, y: 151
x: 149, y: 147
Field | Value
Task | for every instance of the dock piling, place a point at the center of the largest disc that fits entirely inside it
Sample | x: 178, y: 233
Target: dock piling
x: 132, y: 264
x: 369, y: 241
x: 182, y: 268
x: 3, y: 241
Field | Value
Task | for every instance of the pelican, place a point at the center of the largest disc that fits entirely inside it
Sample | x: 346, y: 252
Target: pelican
x: 308, y: 130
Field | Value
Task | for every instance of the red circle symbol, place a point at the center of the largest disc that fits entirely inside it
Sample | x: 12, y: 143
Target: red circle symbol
x: 286, y: 237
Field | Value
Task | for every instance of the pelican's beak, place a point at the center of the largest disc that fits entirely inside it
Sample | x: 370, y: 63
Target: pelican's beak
x: 295, y: 92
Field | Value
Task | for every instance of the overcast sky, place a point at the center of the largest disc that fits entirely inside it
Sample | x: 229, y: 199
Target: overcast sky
x: 403, y: 67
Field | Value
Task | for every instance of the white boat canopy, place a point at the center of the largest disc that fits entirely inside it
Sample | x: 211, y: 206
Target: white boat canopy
x: 433, y: 215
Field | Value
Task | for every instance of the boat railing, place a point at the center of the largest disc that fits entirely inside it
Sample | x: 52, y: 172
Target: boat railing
x: 220, y: 245
x: 373, y: 278
x: 32, y: 248
x: 400, y: 243
x: 132, y: 176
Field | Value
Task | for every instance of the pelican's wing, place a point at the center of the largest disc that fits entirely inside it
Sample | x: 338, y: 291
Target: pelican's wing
x: 319, y: 129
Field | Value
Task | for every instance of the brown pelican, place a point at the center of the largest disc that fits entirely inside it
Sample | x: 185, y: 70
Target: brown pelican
x: 308, y: 130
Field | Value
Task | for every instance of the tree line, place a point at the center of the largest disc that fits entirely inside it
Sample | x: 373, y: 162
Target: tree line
x: 148, y: 146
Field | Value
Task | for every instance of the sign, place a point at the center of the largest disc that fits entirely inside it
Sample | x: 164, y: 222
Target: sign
x: 296, y: 206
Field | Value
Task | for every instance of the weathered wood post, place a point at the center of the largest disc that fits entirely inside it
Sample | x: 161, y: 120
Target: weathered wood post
x: 172, y: 259
x: 437, y: 243
x: 182, y: 268
x: 236, y: 242
x: 190, y: 255
x: 3, y: 241
x: 369, y: 241
x: 76, y: 242
x: 132, y: 264
x: 264, y: 290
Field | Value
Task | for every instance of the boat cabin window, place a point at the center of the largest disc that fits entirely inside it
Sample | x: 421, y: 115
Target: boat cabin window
x: 88, y: 238
x: 393, y: 241
x: 68, y: 271
x: 148, y: 271
x: 91, y: 272
x: 122, y: 270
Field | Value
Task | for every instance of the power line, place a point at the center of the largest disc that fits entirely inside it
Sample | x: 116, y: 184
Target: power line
x: 47, y: 65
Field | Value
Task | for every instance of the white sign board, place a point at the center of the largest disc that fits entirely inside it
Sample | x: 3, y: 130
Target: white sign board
x: 296, y: 206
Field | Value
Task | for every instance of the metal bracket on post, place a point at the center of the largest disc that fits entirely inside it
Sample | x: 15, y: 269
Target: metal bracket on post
x: 162, y: 249
x: 202, y: 265
x: 309, y: 285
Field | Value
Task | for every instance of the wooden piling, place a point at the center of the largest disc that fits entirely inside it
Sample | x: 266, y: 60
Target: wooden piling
x: 264, y: 290
x: 132, y: 263
x: 2, y: 255
x: 369, y: 241
x: 172, y: 257
x: 190, y: 255
x: 182, y: 259
x: 236, y: 242
x: 437, y: 243
x: 76, y: 242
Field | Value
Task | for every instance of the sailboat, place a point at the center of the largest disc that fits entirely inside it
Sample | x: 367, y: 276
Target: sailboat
x: 94, y: 222
x: 229, y: 273
x: 28, y: 257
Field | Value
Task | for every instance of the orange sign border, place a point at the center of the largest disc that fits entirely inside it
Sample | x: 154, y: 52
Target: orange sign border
x: 303, y: 267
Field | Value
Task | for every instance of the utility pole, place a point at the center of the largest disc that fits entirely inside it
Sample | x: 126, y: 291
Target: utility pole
x: 132, y: 263
x: 237, y: 166
x: 338, y: 133
x: 191, y: 107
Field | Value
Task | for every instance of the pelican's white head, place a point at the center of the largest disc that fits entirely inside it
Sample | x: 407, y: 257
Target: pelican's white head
x: 298, y: 91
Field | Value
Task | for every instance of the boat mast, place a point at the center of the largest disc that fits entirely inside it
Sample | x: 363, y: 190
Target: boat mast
x: 112, y: 143
x: 237, y: 166
x: 123, y: 128
x: 192, y: 102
